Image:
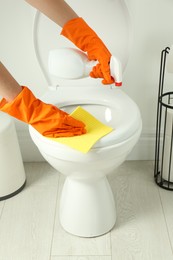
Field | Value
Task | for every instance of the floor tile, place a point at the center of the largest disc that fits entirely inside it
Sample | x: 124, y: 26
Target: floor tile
x: 81, y: 258
x: 1, y: 207
x: 140, y: 232
x: 30, y: 228
x: 167, y: 204
x: 41, y: 174
x: 27, y: 221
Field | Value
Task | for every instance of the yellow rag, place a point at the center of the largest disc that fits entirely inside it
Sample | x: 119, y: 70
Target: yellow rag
x: 95, y: 130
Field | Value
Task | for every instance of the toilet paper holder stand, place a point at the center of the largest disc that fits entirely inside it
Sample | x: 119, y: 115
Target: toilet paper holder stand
x: 163, y: 167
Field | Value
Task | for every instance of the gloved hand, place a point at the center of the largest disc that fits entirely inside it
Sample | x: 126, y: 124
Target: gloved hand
x: 78, y: 32
x: 45, y: 118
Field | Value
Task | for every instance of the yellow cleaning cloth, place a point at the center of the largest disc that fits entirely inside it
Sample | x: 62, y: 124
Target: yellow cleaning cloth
x: 95, y: 130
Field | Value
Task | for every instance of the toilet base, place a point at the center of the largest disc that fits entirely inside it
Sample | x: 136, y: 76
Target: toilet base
x: 87, y: 208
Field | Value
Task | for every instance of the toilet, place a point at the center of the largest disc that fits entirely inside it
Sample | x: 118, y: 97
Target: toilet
x: 87, y: 205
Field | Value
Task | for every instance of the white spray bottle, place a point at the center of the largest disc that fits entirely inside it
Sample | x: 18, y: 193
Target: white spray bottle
x: 69, y: 63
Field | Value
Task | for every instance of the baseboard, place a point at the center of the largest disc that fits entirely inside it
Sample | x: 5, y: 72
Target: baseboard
x: 144, y: 149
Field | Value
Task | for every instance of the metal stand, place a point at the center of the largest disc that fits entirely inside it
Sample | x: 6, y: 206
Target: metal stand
x: 163, y: 169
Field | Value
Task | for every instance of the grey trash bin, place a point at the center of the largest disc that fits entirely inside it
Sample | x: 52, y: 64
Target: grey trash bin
x: 12, y: 173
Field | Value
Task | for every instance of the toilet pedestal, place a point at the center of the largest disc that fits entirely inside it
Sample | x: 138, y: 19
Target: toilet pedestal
x: 87, y: 209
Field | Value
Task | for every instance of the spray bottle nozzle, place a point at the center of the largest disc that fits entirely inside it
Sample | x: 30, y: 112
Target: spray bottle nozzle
x: 116, y: 71
x: 118, y: 84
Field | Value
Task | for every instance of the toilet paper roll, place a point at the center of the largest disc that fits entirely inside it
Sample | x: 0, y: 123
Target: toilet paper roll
x: 169, y: 62
x: 169, y: 122
x: 167, y: 148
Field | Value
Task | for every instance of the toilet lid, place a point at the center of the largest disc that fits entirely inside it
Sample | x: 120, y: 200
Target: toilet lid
x: 111, y: 106
x: 108, y: 18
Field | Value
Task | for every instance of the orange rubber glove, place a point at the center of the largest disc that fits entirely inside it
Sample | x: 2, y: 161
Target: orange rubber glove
x: 78, y: 32
x: 45, y: 118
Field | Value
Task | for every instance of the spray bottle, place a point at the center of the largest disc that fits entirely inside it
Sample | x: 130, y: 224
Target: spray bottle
x: 70, y: 63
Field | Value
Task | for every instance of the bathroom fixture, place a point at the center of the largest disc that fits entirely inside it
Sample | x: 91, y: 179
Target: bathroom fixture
x: 12, y: 173
x: 163, y: 170
x: 87, y: 207
x: 87, y: 204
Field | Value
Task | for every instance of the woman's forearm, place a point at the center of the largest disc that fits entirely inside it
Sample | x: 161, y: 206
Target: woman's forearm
x: 57, y: 10
x: 9, y: 88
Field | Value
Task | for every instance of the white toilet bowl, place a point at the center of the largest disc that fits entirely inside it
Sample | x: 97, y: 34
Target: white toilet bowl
x: 87, y: 205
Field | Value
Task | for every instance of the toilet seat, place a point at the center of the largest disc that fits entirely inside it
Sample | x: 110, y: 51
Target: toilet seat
x: 111, y: 106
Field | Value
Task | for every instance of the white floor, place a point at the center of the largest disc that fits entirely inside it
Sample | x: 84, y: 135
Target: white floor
x: 30, y: 229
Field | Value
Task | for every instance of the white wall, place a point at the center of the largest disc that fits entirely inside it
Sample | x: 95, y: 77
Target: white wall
x: 152, y: 31
x: 152, y: 28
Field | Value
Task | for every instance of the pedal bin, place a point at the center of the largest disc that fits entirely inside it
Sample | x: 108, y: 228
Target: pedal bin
x: 12, y: 173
